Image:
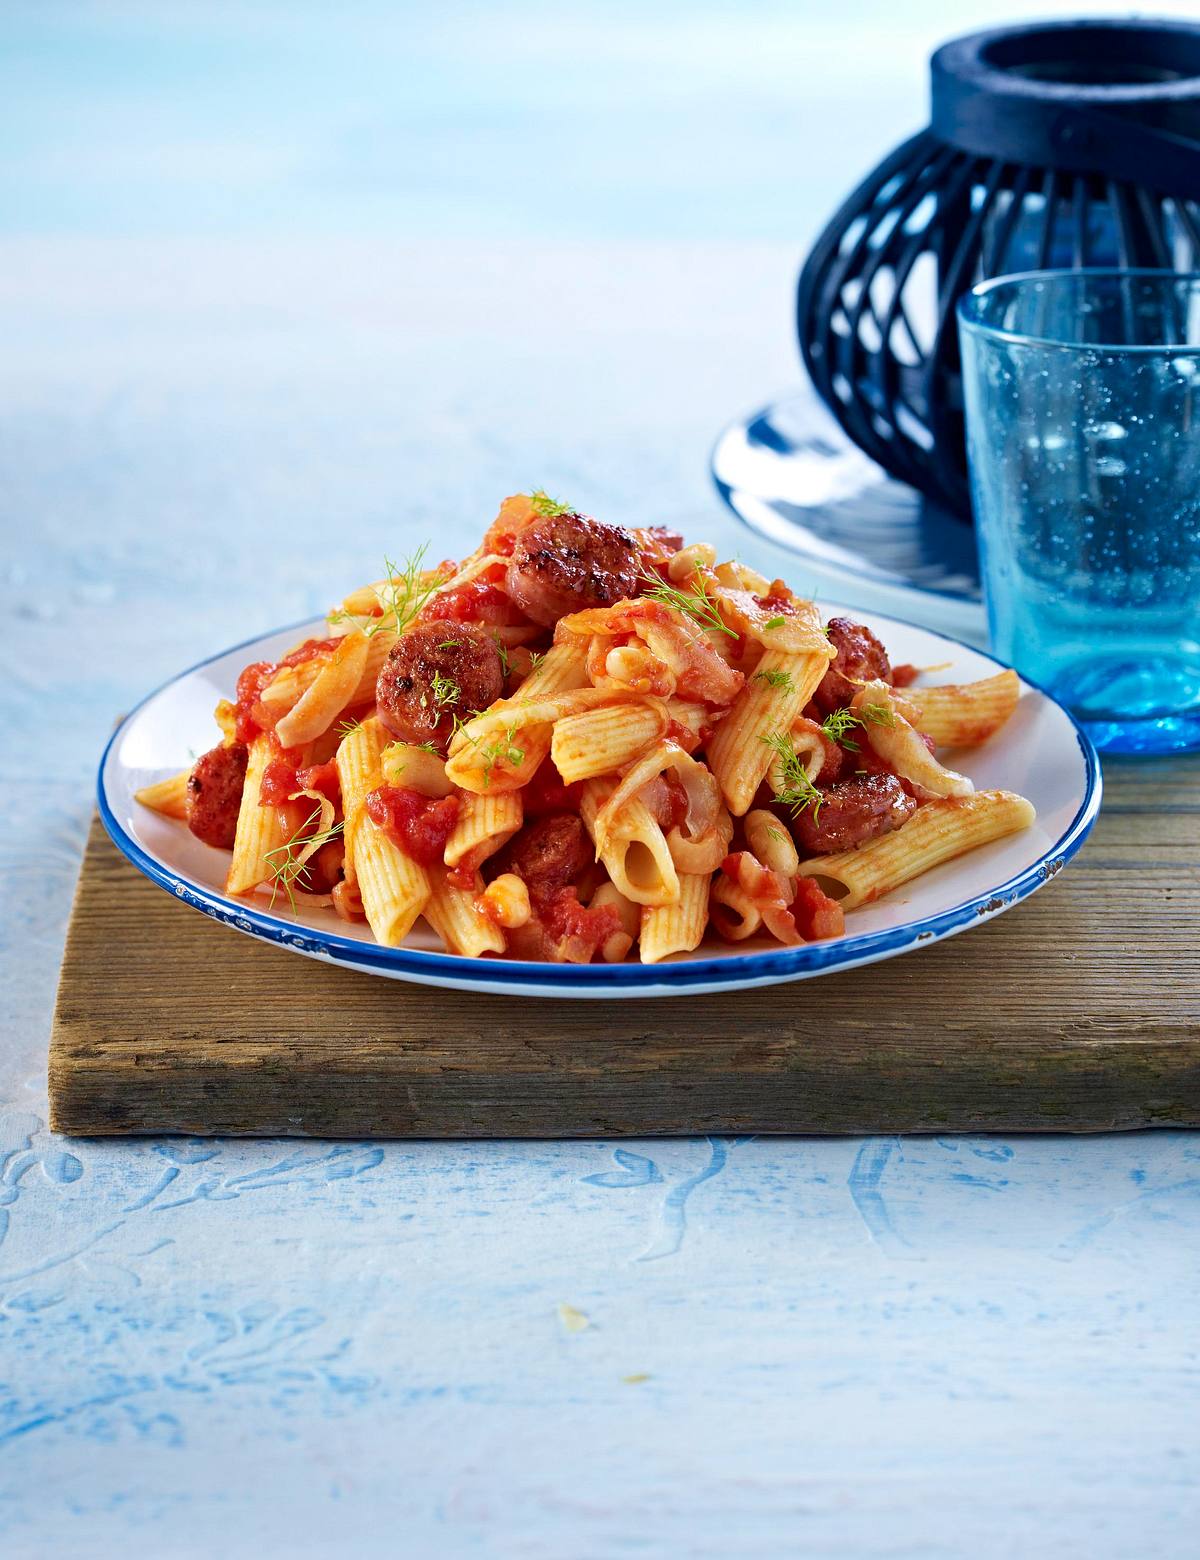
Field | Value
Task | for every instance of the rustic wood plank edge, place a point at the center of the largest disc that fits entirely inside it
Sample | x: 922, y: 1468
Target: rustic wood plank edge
x: 1023, y: 1026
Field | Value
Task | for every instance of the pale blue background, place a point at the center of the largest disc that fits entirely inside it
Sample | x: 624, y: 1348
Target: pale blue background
x: 282, y: 287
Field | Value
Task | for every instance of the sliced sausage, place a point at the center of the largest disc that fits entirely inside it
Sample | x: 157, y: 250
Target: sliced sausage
x: 859, y: 656
x: 214, y: 794
x: 434, y: 672
x: 566, y: 563
x: 548, y: 854
x: 852, y: 813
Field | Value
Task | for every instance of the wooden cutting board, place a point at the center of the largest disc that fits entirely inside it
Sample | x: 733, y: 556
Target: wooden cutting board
x: 1077, y: 1011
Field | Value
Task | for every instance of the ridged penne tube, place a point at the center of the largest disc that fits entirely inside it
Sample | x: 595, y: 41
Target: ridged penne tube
x: 483, y: 825
x: 635, y: 851
x: 379, y: 644
x: 321, y: 704
x: 359, y: 771
x: 937, y: 832
x: 260, y: 830
x: 483, y: 753
x: 770, y: 702
x: 168, y: 797
x: 677, y: 928
x: 965, y: 714
x: 900, y: 745
x: 452, y: 913
x: 394, y: 888
x: 599, y: 742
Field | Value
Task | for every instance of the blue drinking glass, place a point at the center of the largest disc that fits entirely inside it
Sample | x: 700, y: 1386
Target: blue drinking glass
x: 1082, y: 392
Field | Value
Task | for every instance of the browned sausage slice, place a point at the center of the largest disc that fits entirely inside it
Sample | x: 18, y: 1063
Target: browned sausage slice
x: 214, y: 795
x: 549, y: 854
x: 566, y: 563
x: 852, y: 813
x: 434, y: 672
x: 859, y: 655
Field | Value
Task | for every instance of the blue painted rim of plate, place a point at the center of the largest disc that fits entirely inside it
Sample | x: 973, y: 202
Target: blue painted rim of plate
x: 772, y: 965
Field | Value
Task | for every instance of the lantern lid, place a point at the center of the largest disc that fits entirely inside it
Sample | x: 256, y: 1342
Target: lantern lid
x: 1114, y: 98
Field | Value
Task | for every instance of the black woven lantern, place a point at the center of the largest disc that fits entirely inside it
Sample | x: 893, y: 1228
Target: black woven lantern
x: 1059, y: 144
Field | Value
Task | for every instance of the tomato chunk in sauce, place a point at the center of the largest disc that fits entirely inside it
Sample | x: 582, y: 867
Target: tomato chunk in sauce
x: 587, y: 927
x: 418, y: 825
x: 816, y: 915
x: 281, y: 779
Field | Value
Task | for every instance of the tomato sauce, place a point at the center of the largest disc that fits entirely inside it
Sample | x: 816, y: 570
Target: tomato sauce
x: 281, y: 779
x: 677, y: 801
x: 816, y: 915
x: 418, y: 825
x: 547, y: 792
x: 478, y: 602
x: 564, y: 917
x: 278, y: 782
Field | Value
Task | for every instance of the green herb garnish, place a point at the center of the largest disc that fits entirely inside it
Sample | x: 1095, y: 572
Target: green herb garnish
x: 776, y: 677
x: 838, y: 722
x: 775, y: 622
x: 289, y: 870
x: 444, y: 689
x: 549, y: 508
x: 797, y: 792
x: 695, y: 603
x: 504, y: 751
x: 403, y: 593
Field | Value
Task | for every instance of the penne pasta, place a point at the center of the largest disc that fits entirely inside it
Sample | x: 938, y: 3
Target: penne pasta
x: 965, y: 714
x: 614, y: 725
x: 501, y: 750
x: 455, y: 916
x: 739, y: 754
x: 379, y: 645
x: 359, y: 771
x: 677, y: 928
x: 936, y: 832
x: 168, y: 797
x: 599, y: 742
x: 484, y: 824
x: 635, y: 851
x: 261, y: 830
x: 394, y: 888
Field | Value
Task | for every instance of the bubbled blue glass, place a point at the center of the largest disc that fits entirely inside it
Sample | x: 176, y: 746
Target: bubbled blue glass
x: 1082, y: 392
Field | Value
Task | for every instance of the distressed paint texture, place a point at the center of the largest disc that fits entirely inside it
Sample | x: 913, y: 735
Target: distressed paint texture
x: 923, y: 1348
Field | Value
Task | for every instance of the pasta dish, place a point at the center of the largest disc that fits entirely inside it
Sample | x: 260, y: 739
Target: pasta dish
x: 589, y: 742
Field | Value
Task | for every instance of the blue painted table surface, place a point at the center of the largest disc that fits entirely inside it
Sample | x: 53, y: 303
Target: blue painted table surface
x: 923, y: 1348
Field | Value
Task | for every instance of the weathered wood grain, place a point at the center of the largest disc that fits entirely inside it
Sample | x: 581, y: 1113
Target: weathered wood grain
x: 1077, y: 1011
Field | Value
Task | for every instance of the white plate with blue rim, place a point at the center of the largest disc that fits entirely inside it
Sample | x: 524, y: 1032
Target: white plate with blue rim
x: 1040, y: 753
